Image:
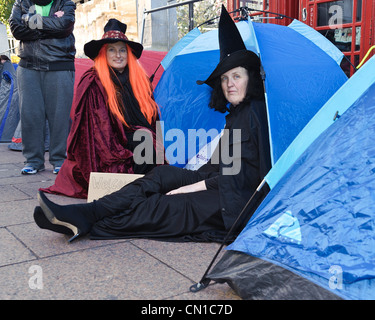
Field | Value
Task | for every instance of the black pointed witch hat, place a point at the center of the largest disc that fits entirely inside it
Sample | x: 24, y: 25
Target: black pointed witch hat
x: 233, y: 52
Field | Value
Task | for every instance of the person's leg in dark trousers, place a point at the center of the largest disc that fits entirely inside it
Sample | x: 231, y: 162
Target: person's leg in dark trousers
x: 160, y: 180
x: 164, y: 216
x: 153, y: 185
x: 58, y: 96
x: 143, y: 209
x: 32, y: 112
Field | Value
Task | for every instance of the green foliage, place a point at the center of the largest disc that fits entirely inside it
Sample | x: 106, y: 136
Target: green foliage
x: 5, y: 10
x: 203, y: 11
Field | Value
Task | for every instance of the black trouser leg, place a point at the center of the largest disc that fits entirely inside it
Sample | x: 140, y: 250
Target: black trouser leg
x: 160, y: 180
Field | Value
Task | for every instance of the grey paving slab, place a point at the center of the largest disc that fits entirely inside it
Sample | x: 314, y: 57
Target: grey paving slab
x: 12, y: 250
x: 10, y: 193
x: 8, y: 156
x: 45, y: 243
x: 119, y: 271
x: 10, y: 173
x: 30, y: 188
x: 190, y: 259
x: 8, y: 169
x: 16, y: 212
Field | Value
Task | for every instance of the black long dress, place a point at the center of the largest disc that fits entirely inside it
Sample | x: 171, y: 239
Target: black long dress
x: 133, y: 117
x: 142, y: 210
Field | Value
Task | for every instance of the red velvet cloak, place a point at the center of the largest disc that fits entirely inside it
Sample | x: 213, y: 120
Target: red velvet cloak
x: 96, y: 142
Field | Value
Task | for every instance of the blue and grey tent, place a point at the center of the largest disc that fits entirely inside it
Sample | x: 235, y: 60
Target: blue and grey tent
x: 313, y: 235
x: 9, y: 109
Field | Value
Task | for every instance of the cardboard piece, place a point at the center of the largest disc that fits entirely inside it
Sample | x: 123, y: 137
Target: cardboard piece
x: 103, y: 183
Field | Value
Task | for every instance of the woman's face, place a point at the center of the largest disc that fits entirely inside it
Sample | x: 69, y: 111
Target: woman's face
x: 117, y: 55
x: 234, y: 84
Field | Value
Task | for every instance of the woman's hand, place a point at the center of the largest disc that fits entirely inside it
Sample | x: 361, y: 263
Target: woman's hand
x: 59, y: 14
x: 199, y: 186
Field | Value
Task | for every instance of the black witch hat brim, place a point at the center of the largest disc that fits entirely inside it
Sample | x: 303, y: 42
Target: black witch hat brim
x: 93, y: 47
x: 243, y: 58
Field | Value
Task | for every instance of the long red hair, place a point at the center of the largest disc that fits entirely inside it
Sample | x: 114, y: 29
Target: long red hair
x: 139, y: 82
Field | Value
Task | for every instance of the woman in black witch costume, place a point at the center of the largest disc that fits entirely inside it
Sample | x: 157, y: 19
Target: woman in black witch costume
x: 171, y: 202
x: 113, y: 99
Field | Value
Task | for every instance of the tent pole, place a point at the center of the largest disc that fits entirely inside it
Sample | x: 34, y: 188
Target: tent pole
x: 143, y: 25
x: 153, y: 75
x: 204, y: 282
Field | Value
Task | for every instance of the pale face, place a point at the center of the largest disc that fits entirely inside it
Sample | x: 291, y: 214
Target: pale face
x: 234, y: 84
x: 117, y: 55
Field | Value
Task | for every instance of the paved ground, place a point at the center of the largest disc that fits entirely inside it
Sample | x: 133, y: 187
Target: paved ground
x: 87, y: 269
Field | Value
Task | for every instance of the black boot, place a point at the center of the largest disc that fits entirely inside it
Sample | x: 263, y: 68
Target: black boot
x: 79, y: 218
x: 44, y: 223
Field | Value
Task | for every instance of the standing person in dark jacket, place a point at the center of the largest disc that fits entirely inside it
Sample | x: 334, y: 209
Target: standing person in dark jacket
x: 45, y: 76
x: 171, y: 202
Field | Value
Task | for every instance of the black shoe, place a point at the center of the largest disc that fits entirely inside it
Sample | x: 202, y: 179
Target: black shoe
x: 68, y: 216
x: 44, y: 223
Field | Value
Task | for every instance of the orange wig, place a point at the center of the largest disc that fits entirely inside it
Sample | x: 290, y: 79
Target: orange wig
x: 139, y: 82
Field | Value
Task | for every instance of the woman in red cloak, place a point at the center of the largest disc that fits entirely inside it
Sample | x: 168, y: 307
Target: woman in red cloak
x: 113, y: 99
